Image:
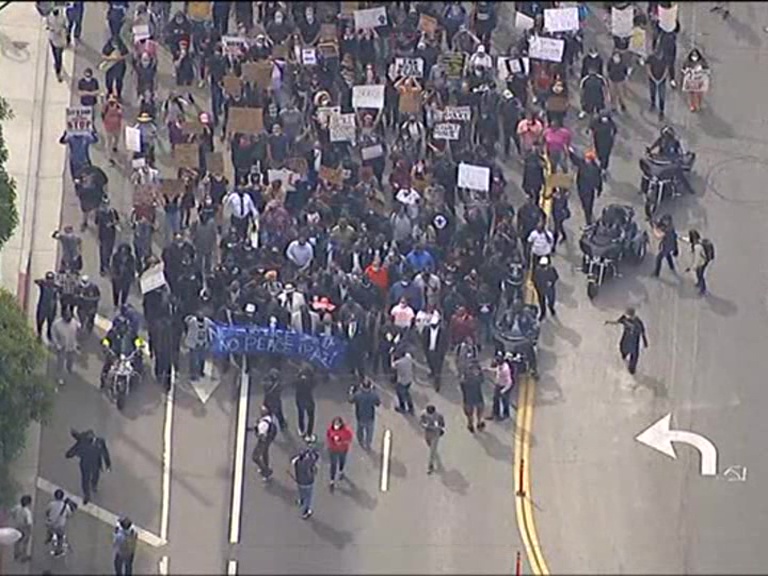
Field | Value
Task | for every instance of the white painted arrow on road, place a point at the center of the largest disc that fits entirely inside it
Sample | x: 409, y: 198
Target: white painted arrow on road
x: 660, y: 437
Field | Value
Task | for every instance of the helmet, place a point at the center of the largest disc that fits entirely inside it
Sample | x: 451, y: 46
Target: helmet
x: 667, y: 131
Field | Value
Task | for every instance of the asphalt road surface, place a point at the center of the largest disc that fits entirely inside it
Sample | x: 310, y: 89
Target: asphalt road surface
x: 604, y: 502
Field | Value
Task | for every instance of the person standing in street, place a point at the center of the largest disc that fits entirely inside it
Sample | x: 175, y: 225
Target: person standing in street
x: 64, y: 337
x: 304, y: 472
x: 21, y: 518
x: 56, y: 24
x: 338, y: 438
x: 305, y: 401
x: 502, y: 388
x: 618, y: 74
x: 124, y: 544
x: 93, y: 455
x: 472, y: 396
x: 47, y: 303
x: 545, y: 277
x: 702, y: 253
x: 402, y: 364
x: 266, y: 431
x: 365, y: 400
x: 634, y: 331
x: 433, y: 424
x: 668, y: 250
x: 603, y: 137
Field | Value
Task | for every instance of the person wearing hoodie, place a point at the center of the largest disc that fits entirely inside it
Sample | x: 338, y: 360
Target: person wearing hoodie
x: 338, y: 438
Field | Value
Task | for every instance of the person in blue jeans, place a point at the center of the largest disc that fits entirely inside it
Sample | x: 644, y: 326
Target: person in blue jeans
x: 303, y: 471
x: 75, y: 11
x: 366, y: 400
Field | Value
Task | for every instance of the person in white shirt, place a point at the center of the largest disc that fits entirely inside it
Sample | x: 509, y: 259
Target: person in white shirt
x: 241, y: 210
x: 541, y: 242
x: 502, y: 387
x: 402, y: 314
x: 56, y: 24
x: 300, y: 252
x: 57, y: 513
x: 21, y: 516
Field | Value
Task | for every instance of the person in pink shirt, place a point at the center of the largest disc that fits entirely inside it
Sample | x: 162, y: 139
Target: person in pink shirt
x: 557, y: 139
x: 529, y: 129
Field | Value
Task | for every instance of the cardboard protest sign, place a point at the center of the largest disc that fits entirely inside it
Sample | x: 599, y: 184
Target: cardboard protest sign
x: 132, y: 139
x: 280, y: 52
x: 348, y: 8
x: 233, y: 86
x: 79, y: 120
x: 413, y: 67
x: 370, y: 18
x: 258, y: 73
x: 214, y: 162
x: 234, y: 45
x: 668, y: 18
x: 446, y: 131
x: 410, y: 101
x: 328, y: 33
x: 622, y: 21
x: 561, y: 19
x: 453, y: 64
x: 186, y: 156
x: 245, y: 120
x: 171, y: 187
x: 427, y: 24
x: 637, y: 43
x: 368, y: 96
x: 474, y: 177
x: 298, y: 165
x: 371, y: 152
x: 200, y: 11
x: 560, y: 180
x: 309, y: 56
x: 342, y: 128
x: 328, y: 50
x: 286, y: 177
x: 523, y: 21
x: 549, y: 49
x: 152, y: 278
x: 506, y: 66
x: 333, y: 176
x: 140, y: 32
x: 696, y: 80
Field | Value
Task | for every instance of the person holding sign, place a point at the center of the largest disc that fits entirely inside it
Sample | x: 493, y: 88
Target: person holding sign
x: 695, y: 78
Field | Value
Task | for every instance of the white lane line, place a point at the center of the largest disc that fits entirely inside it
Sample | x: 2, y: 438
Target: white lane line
x: 385, y: 454
x: 165, y: 512
x: 162, y: 566
x: 101, y: 514
x: 232, y: 568
x: 237, y: 483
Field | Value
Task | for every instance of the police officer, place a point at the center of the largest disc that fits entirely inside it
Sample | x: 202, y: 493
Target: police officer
x: 634, y: 331
x: 544, y: 279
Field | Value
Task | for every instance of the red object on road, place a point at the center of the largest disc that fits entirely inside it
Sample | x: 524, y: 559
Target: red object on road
x: 518, y: 565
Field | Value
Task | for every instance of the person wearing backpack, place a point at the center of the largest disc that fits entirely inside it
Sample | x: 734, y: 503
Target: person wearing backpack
x: 266, y: 431
x: 124, y: 543
x: 702, y: 253
x: 303, y: 471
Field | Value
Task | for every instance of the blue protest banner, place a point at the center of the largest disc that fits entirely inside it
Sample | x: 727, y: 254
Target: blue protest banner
x: 325, y: 351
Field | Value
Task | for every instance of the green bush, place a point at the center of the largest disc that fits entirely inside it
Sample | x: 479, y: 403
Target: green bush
x: 9, y: 215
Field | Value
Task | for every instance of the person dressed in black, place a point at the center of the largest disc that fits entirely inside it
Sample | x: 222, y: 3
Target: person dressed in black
x: 88, y: 296
x: 107, y: 220
x: 634, y: 331
x: 561, y: 212
x: 123, y: 274
x: 668, y: 249
x: 435, y: 342
x: 273, y: 390
x: 115, y: 54
x: 603, y: 136
x: 545, y: 278
x: 47, y: 303
x: 93, y: 455
x: 266, y: 431
x: 589, y: 181
x: 305, y: 401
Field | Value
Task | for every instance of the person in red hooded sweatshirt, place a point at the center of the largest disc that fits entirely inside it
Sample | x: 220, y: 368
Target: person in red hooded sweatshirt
x: 339, y: 439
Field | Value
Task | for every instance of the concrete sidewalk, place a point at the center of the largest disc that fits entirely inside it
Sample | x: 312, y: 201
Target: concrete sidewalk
x: 36, y: 162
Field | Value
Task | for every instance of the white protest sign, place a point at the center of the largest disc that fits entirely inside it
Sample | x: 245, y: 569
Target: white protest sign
x: 342, y: 127
x: 506, y: 66
x: 371, y: 152
x: 446, y: 131
x: 153, y: 278
x: 668, y: 18
x: 234, y: 45
x: 133, y: 139
x: 138, y: 163
x: 523, y: 21
x: 413, y: 67
x: 561, y: 19
x: 79, y: 120
x: 287, y: 177
x: 474, y: 177
x: 370, y: 18
x: 325, y: 113
x: 140, y: 32
x: 696, y: 80
x: 309, y: 56
x: 368, y: 96
x: 550, y: 49
x: 622, y: 21
x: 455, y: 114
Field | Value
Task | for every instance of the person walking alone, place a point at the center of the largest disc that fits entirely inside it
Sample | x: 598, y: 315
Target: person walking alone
x: 64, y: 337
x: 668, y: 249
x: 304, y: 472
x: 266, y: 431
x: 433, y: 424
x: 305, y: 401
x: 47, y: 304
x: 472, y: 396
x: 634, y: 331
x: 22, y: 519
x: 365, y: 400
x: 93, y: 455
x: 338, y: 437
x: 402, y: 364
x: 124, y: 543
x: 56, y: 25
x: 702, y: 253
x: 545, y: 277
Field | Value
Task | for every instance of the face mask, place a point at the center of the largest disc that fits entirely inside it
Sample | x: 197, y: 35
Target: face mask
x: 337, y: 426
x: 694, y: 58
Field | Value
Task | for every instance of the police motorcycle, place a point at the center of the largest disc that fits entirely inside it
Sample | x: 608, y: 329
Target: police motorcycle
x: 614, y: 237
x: 664, y: 170
x: 123, y: 367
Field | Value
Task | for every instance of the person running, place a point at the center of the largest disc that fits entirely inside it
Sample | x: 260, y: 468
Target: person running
x: 338, y: 437
x: 433, y: 424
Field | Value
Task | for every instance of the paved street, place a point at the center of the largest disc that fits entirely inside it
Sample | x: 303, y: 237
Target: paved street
x: 706, y: 362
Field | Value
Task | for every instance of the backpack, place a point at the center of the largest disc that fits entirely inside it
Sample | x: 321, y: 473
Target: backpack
x: 709, y: 249
x: 271, y: 432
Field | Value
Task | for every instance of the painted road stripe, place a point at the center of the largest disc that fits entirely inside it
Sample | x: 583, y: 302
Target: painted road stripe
x: 165, y: 509
x: 386, y: 452
x: 101, y: 514
x: 162, y: 566
x: 237, y: 484
x: 232, y: 568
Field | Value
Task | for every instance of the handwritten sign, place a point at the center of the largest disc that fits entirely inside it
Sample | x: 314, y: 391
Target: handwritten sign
x: 324, y: 114
x: 446, y: 131
x: 258, y: 73
x: 245, y: 120
x: 287, y: 178
x: 342, y: 128
x: 152, y: 278
x: 561, y: 19
x: 506, y: 67
x: 171, y: 187
x: 132, y: 139
x: 140, y: 32
x: 549, y: 49
x: 696, y: 80
x: 234, y: 45
x: 523, y: 21
x: 474, y: 177
x: 368, y: 96
x: 309, y: 56
x: 410, y: 102
x: 372, y: 152
x: 200, y: 11
x: 79, y: 120
x: 622, y: 21
x: 456, y: 114
x: 412, y: 67
x: 233, y: 86
x: 370, y: 18
x: 453, y: 64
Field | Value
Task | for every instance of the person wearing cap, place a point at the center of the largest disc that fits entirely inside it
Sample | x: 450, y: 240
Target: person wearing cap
x: 589, y: 181
x: 541, y: 242
x: 124, y: 543
x: 634, y: 332
x: 544, y: 279
x: 266, y: 432
x: 46, y: 304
